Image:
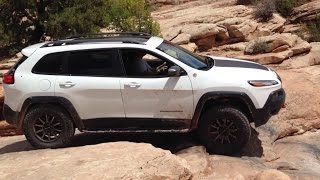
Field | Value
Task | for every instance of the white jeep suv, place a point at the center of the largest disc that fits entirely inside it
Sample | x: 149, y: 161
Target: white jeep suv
x: 132, y: 82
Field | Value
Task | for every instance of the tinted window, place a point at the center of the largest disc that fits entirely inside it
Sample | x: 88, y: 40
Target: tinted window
x: 94, y: 63
x: 141, y: 63
x: 50, y: 64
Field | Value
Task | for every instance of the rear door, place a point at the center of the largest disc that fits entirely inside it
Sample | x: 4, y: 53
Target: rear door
x: 92, y: 85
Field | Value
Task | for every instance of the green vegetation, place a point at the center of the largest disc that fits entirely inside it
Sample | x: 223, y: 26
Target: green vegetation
x: 132, y: 15
x: 259, y: 47
x: 283, y: 7
x: 310, y: 31
x: 244, y: 2
x: 24, y: 22
x: 264, y: 10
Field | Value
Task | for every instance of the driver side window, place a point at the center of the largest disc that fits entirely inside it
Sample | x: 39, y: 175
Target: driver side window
x: 141, y: 63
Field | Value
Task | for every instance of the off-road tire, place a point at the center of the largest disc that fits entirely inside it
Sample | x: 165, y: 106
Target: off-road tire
x: 41, y: 112
x: 237, y: 124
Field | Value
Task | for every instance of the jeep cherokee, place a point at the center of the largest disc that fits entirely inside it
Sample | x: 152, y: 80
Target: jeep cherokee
x: 132, y: 82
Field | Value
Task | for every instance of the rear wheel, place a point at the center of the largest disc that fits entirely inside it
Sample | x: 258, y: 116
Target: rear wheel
x: 224, y: 130
x: 48, y: 127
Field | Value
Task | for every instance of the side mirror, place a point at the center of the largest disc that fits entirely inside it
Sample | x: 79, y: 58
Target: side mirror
x: 174, y: 71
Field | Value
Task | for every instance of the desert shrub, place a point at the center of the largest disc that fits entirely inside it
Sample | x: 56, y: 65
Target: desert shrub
x: 312, y: 29
x: 259, y: 47
x: 264, y: 10
x: 285, y: 7
x: 244, y: 2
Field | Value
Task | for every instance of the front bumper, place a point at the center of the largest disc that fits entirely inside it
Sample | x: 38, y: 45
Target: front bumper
x: 10, y: 116
x: 272, y: 107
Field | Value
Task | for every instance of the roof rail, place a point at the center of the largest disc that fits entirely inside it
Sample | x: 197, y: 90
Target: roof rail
x: 119, y: 39
x: 112, y: 34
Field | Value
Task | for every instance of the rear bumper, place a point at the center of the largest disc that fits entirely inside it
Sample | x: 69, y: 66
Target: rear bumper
x: 272, y: 107
x: 12, y: 117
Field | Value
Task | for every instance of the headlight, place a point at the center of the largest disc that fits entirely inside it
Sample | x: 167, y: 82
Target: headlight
x: 262, y: 83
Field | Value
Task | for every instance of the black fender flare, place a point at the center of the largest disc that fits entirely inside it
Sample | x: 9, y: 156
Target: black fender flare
x: 243, y: 97
x: 42, y: 100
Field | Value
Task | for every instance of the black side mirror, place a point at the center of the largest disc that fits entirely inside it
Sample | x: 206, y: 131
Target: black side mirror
x: 174, y: 71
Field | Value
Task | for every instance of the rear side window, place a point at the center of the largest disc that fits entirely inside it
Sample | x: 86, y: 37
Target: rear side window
x: 51, y: 64
x: 94, y: 63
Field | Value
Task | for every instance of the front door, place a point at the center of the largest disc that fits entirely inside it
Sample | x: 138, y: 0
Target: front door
x: 150, y: 96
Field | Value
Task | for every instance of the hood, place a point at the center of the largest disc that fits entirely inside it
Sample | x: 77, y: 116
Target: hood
x: 237, y: 63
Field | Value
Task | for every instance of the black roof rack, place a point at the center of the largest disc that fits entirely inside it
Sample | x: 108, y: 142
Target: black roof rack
x: 112, y: 34
x: 123, y: 37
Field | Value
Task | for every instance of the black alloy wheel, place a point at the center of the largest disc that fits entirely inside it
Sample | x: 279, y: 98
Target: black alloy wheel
x: 48, y: 126
x: 224, y: 130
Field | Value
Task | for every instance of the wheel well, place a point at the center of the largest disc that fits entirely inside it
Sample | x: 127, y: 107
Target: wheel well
x: 51, y: 104
x: 34, y: 105
x: 229, y: 101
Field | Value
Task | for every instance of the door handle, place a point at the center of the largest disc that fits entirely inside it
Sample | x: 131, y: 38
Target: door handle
x: 132, y: 84
x: 67, y: 84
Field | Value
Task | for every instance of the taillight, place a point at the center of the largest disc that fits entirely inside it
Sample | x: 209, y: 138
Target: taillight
x: 8, y: 78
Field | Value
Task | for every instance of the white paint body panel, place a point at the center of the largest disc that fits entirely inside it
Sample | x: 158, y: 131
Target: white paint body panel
x: 92, y: 97
x: 168, y: 97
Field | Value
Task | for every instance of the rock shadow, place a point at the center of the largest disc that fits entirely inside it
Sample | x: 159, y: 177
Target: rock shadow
x: 173, y: 142
x: 16, y: 147
x: 253, y: 147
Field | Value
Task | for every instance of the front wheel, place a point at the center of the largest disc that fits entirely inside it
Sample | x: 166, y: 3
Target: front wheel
x: 48, y: 127
x: 224, y: 130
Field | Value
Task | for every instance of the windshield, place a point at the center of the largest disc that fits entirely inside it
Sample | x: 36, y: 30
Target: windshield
x: 183, y: 55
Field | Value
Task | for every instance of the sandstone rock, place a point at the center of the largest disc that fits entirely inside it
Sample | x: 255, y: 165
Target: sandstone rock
x: 14, y: 60
x: 306, y: 12
x: 223, y: 167
x: 278, y: 40
x: 196, y: 157
x: 304, y: 60
x: 235, y: 47
x: 302, y: 108
x: 291, y: 28
x: 272, y: 174
x: 269, y: 58
x: 301, y: 152
x: 239, y: 27
x: 281, y: 48
x: 6, y: 65
x: 18, y: 55
x: 301, y: 47
x: 199, y: 31
x: 273, y: 42
x: 8, y: 130
x: 171, y: 33
x: 276, y: 24
x: 259, y: 32
x: 182, y: 39
x: 120, y: 160
x: 208, y: 28
x: 192, y: 47
x: 206, y: 43
x: 167, y: 2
